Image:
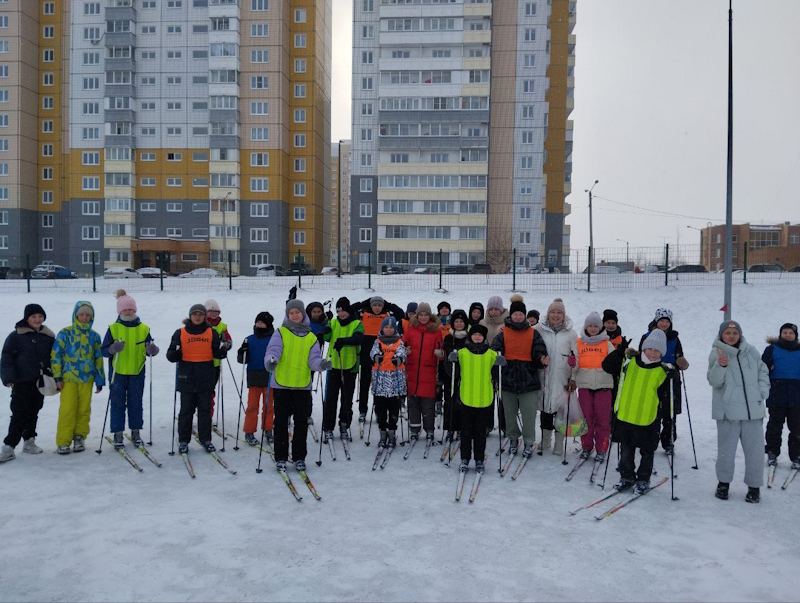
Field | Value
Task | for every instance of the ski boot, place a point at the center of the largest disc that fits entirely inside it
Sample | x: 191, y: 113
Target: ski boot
x: 344, y: 432
x: 463, y: 466
x: 280, y: 465
x: 585, y: 454
x: 600, y: 457
x: 209, y: 447
x: 310, y: 421
x: 327, y: 436
x: 528, y: 450
x: 413, y: 436
x: 7, y: 454
x: 512, y: 446
x: 642, y: 487
x: 384, y: 438
x: 450, y: 437
x: 183, y: 448
x: 753, y: 495
x: 479, y: 467
x: 669, y: 451
x: 250, y: 439
x: 722, y: 491
x: 269, y: 437
x: 362, y: 418
x: 300, y: 465
x: 772, y: 459
x: 78, y: 444
x: 64, y: 449
x: 623, y: 485
x: 796, y: 465
x: 30, y: 447
x: 392, y: 440
x: 430, y: 437
x: 119, y: 444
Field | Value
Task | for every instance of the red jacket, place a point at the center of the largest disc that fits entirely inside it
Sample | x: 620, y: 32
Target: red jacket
x: 421, y: 362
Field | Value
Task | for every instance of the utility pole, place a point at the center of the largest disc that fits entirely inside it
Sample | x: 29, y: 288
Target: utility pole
x: 729, y: 196
x: 224, y: 206
x: 591, y: 237
x: 339, y: 213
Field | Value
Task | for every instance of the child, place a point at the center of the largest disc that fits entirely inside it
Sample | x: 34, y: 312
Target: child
x: 739, y: 383
x: 194, y: 348
x: 213, y: 318
x: 345, y: 336
x: 291, y: 355
x: 476, y: 392
x: 494, y: 321
x: 389, y: 376
x: 317, y: 319
x: 127, y: 344
x: 636, y: 408
x: 424, y: 338
x: 252, y: 353
x: 26, y: 354
x: 611, y: 326
x: 411, y: 312
x: 594, y: 386
x: 674, y: 357
x: 77, y: 365
x: 475, y: 314
x: 533, y: 317
x: 456, y: 339
x: 524, y: 350
x: 443, y: 392
x: 782, y: 358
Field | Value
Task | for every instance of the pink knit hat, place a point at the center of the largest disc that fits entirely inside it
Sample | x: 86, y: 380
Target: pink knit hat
x: 125, y: 302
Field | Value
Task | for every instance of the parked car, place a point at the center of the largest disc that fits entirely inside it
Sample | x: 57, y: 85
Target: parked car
x: 11, y: 273
x: 765, y: 268
x: 52, y: 271
x: 121, y: 273
x: 200, y: 273
x: 482, y: 269
x: 329, y: 271
x: 650, y: 268
x: 150, y: 272
x: 603, y: 269
x: 793, y: 269
x: 301, y: 268
x: 689, y: 268
x: 395, y: 270
x: 362, y: 269
x: 423, y: 270
x: 270, y: 270
x: 518, y: 270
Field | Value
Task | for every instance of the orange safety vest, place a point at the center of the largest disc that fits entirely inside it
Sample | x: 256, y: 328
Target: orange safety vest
x: 616, y: 341
x: 197, y: 348
x: 372, y: 323
x: 518, y: 344
x: 591, y: 356
x: 388, y: 352
x: 405, y: 322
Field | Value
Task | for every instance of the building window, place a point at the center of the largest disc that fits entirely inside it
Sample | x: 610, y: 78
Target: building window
x: 47, y: 220
x: 365, y: 235
x: 299, y: 90
x: 91, y: 183
x: 794, y: 239
x: 259, y: 5
x: 259, y: 30
x: 258, y: 258
x: 147, y: 182
x: 148, y: 206
x: 260, y: 134
x: 90, y: 208
x: 47, y: 244
x: 47, y: 197
x: 259, y: 185
x: 259, y: 159
x: 174, y: 233
x: 147, y: 232
x: 299, y: 141
x: 90, y: 233
x: 530, y: 9
x: 365, y: 210
x: 174, y: 182
x: 259, y: 235
x: 299, y: 116
x: 174, y: 207
x: 299, y: 189
x: 259, y: 108
x: 300, y: 164
x: 530, y: 35
x: 259, y: 56
x: 365, y: 185
x: 300, y: 40
x: 300, y: 237
x: 259, y: 210
x: 259, y: 82
x: 366, y: 159
x: 366, y: 83
x: 300, y: 15
x: 300, y: 214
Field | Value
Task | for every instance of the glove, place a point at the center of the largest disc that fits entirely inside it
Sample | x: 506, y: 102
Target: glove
x: 682, y: 363
x: 329, y: 314
x: 572, y: 361
x: 326, y: 364
x: 500, y: 361
x: 571, y: 386
x: 397, y: 361
x: 438, y: 352
x: 453, y: 356
x: 225, y: 345
x: 245, y: 346
x: 378, y: 358
x: 325, y: 331
x: 338, y: 345
x: 408, y: 349
x: 271, y: 364
x: 151, y: 349
x: 624, y: 344
x: 116, y: 347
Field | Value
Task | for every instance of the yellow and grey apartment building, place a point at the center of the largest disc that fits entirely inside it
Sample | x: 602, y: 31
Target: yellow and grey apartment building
x: 461, y: 134
x: 139, y: 131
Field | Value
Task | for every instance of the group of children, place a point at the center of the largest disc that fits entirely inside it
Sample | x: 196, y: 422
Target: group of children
x: 467, y: 360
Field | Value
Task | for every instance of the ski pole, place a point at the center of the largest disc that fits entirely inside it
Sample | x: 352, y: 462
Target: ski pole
x: 222, y: 405
x: 499, y: 402
x: 150, y: 443
x: 671, y: 433
x: 566, y: 427
x: 372, y: 413
x: 174, y: 410
x: 112, y: 367
x: 263, y: 431
x: 324, y: 395
x: 689, y: 414
x: 240, y: 392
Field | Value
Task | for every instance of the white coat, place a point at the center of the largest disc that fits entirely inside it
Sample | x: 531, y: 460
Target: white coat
x: 557, y: 375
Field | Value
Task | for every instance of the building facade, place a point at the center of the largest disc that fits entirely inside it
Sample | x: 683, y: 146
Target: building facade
x: 341, y: 153
x: 184, y: 132
x: 751, y: 244
x: 461, y: 137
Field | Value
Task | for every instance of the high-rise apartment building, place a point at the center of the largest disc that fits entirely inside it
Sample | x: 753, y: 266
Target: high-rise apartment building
x: 186, y: 130
x: 461, y: 137
x: 340, y: 204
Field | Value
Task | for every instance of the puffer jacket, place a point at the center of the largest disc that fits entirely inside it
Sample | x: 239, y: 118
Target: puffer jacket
x: 493, y: 325
x: 783, y: 361
x: 422, y: 364
x: 521, y: 376
x: 739, y: 389
x: 25, y: 352
x: 594, y: 378
x: 556, y: 376
x: 76, y: 355
x: 193, y: 377
x: 391, y: 383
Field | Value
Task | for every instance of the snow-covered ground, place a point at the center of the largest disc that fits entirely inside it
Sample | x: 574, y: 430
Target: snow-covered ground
x: 88, y: 527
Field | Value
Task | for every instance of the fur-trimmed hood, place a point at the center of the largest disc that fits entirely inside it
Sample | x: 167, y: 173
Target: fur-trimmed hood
x: 23, y: 327
x: 433, y: 325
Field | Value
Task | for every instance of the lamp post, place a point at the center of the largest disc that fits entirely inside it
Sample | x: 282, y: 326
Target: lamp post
x: 591, y: 236
x: 627, y: 253
x: 224, y: 206
x: 705, y: 237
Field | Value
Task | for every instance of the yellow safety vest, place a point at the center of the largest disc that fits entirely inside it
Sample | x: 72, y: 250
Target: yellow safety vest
x: 293, y: 371
x: 130, y: 361
x: 637, y: 399
x: 476, y: 377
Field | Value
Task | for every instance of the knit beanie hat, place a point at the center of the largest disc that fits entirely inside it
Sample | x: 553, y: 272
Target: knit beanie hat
x: 786, y: 325
x: 729, y: 324
x: 443, y: 304
x: 534, y: 313
x: 593, y: 320
x: 479, y: 329
x: 124, y: 302
x: 376, y: 299
x: 517, y: 305
x: 411, y: 307
x: 495, y: 301
x: 32, y: 309
x: 297, y: 305
x: 424, y: 307
x: 663, y: 313
x: 343, y: 304
x: 458, y: 313
x: 610, y: 315
x: 197, y: 308
x: 389, y: 320
x: 266, y: 318
x: 657, y: 340
x: 557, y: 305
x: 212, y: 306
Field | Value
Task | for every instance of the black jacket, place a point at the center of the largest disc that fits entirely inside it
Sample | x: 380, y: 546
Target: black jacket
x: 24, y: 353
x: 521, y: 376
x: 193, y: 377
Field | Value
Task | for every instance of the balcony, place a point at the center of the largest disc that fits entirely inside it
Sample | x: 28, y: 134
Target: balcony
x: 115, y: 90
x: 112, y: 115
x: 121, y: 140
x: 226, y: 141
x: 127, y: 64
x: 224, y: 115
x: 120, y: 38
x: 119, y: 13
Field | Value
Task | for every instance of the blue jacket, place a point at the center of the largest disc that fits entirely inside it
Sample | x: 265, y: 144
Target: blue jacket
x: 783, y: 361
x: 253, y: 350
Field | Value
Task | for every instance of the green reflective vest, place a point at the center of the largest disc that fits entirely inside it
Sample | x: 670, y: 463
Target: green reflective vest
x: 476, y: 377
x: 293, y: 371
x: 637, y: 398
x: 347, y: 357
x: 220, y: 329
x: 130, y: 361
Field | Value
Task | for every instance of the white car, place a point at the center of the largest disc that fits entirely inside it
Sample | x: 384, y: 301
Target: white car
x: 329, y: 271
x: 200, y: 273
x: 121, y: 273
x: 150, y: 272
x: 604, y: 269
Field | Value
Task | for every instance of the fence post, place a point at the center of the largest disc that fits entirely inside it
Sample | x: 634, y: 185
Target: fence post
x: 94, y: 265
x: 666, y: 265
x: 299, y: 271
x: 589, y: 271
x: 513, y: 269
x: 440, y: 269
x: 28, y: 270
x: 369, y: 269
x: 744, y: 264
x: 230, y: 270
x: 160, y: 257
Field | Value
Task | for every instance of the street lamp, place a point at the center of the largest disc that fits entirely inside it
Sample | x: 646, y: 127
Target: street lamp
x: 224, y: 207
x: 627, y: 253
x: 591, y: 236
x: 705, y: 236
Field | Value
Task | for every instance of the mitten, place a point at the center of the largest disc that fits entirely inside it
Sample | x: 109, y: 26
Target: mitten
x: 151, y: 349
x: 572, y: 361
x: 116, y: 347
x: 682, y: 363
x: 500, y: 361
x: 438, y: 352
x: 326, y: 364
x: 271, y: 364
x: 453, y: 356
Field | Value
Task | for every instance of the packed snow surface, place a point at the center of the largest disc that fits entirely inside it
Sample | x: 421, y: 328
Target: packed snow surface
x: 89, y: 527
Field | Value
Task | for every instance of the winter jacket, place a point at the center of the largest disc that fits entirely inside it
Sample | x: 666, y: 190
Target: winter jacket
x: 317, y: 326
x: 139, y: 357
x: 674, y: 351
x: 589, y: 373
x: 192, y: 376
x: 521, y: 373
x: 350, y: 332
x: 739, y: 389
x: 493, y: 325
x: 476, y: 381
x: 556, y: 376
x: 253, y: 349
x: 422, y: 363
x: 76, y: 355
x: 389, y: 381
x: 783, y: 361
x: 25, y: 352
x: 454, y: 341
x: 615, y: 336
x: 276, y: 345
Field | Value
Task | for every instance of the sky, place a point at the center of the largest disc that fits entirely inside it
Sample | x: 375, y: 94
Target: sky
x: 651, y: 84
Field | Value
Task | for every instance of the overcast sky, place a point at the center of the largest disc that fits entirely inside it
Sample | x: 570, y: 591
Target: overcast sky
x: 651, y: 114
